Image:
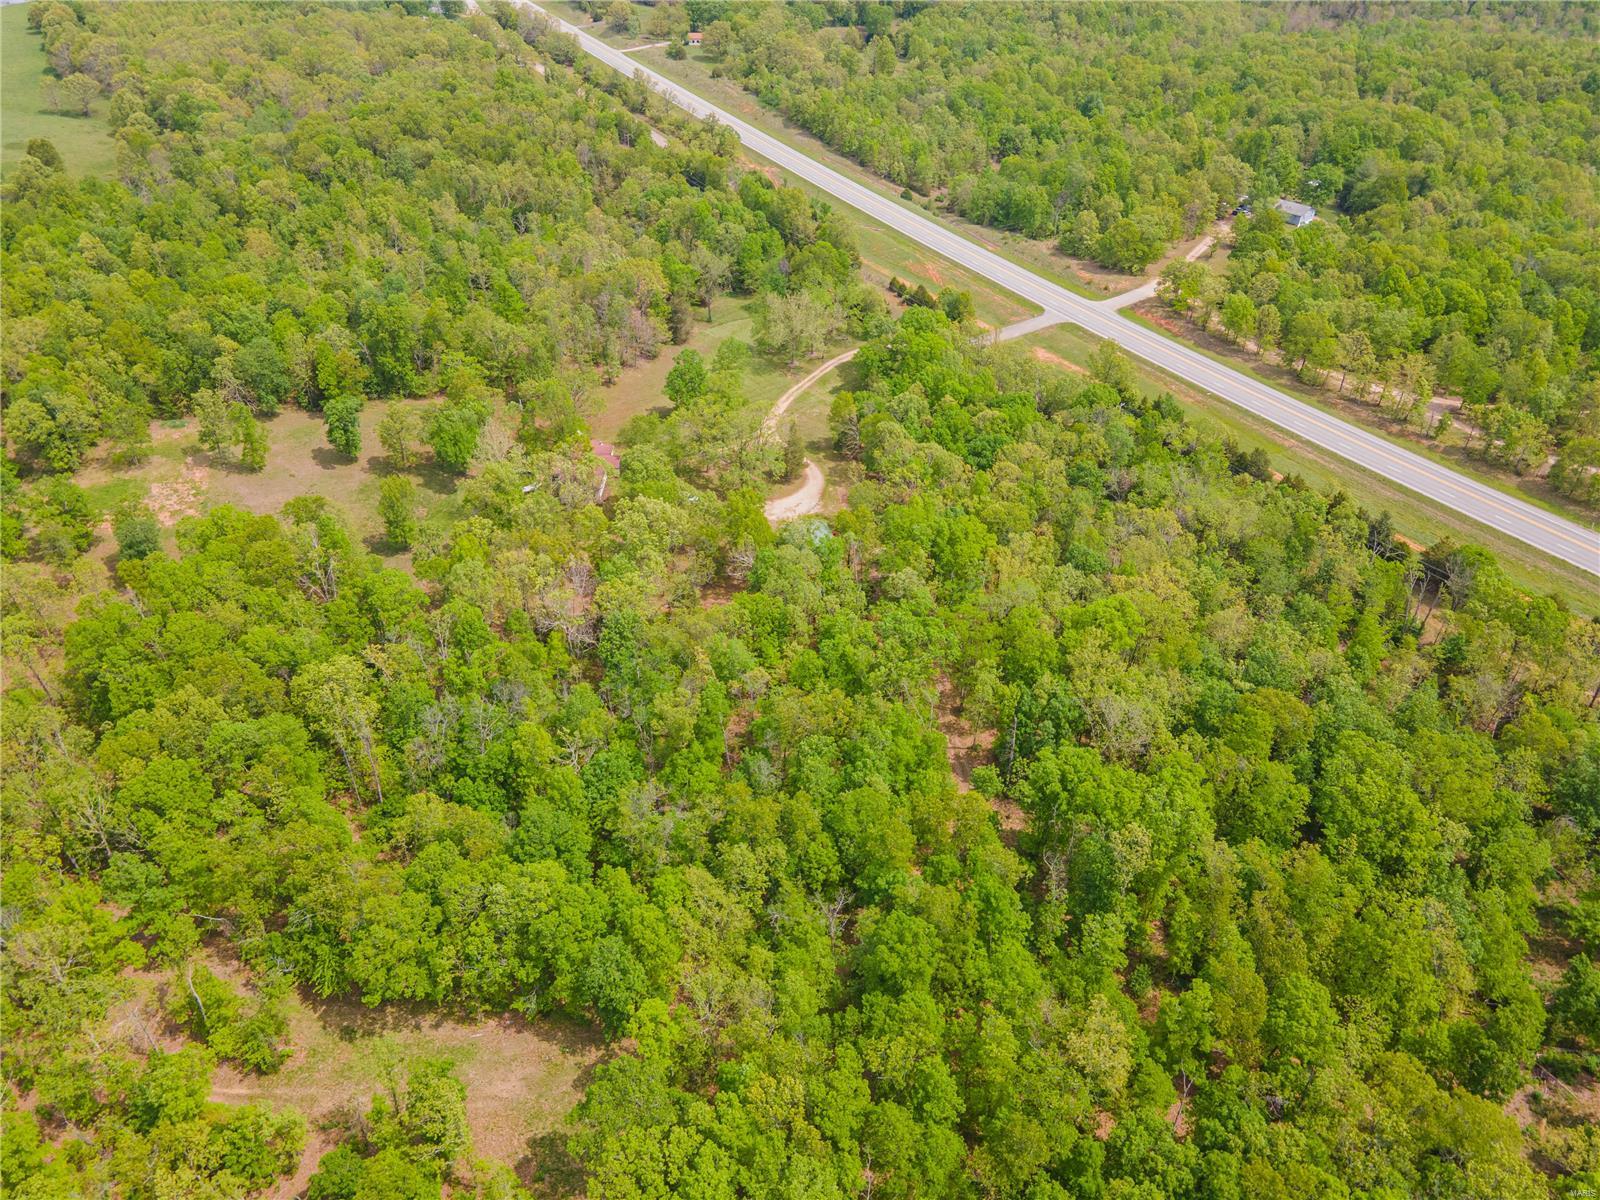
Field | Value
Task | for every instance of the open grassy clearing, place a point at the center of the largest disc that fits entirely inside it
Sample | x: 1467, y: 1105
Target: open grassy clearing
x: 809, y: 411
x: 885, y: 253
x: 180, y: 479
x: 85, y: 145
x: 1452, y: 453
x: 522, y: 1077
x: 1414, y: 517
x: 642, y: 388
x: 522, y: 1080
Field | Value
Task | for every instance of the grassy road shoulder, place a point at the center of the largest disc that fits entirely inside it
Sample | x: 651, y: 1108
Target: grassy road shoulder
x: 695, y: 72
x: 1414, y: 516
x: 1454, y: 456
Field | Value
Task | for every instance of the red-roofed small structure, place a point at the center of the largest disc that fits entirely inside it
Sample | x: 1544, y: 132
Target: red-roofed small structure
x: 607, y: 454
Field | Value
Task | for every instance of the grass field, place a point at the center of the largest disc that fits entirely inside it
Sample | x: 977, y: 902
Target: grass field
x: 642, y: 388
x: 1414, y: 517
x: 85, y: 145
x: 181, y: 480
x: 809, y: 410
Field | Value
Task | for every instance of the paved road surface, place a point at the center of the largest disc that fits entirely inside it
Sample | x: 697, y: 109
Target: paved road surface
x: 1554, y: 535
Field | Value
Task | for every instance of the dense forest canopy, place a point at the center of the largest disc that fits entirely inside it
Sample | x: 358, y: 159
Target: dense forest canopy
x: 1452, y: 152
x: 1080, y: 813
x: 333, y: 204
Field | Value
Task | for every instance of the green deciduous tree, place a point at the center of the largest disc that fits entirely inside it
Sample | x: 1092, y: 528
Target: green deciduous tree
x: 397, y: 503
x: 343, y: 414
x: 399, y: 430
x: 137, y: 532
x: 453, y: 431
x: 796, y: 326
x: 686, y: 381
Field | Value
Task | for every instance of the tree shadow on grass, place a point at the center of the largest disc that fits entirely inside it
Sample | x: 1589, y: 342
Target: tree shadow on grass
x: 380, y: 545
x: 439, y: 480
x: 330, y: 459
x: 549, y: 1170
x: 429, y: 475
x: 349, y: 1019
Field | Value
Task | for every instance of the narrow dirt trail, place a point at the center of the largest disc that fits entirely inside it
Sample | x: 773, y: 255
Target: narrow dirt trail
x: 808, y: 497
x: 781, y: 404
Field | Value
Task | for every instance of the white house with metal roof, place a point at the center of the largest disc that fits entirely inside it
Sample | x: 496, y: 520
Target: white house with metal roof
x: 1294, y: 213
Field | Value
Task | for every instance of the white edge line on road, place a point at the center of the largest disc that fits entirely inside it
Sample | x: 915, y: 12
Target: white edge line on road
x: 1517, y: 518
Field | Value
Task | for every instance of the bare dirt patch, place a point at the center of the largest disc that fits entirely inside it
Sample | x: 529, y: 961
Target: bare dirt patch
x: 1554, y: 1115
x: 1055, y: 360
x: 1178, y: 1119
x: 522, y: 1077
x: 718, y: 593
x: 171, y: 501
x: 965, y: 746
x: 772, y: 174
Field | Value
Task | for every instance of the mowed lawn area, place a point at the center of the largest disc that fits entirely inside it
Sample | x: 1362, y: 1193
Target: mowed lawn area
x: 642, y: 388
x: 85, y: 145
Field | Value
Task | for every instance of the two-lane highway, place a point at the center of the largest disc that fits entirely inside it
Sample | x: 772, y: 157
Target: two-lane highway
x: 1545, y: 531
